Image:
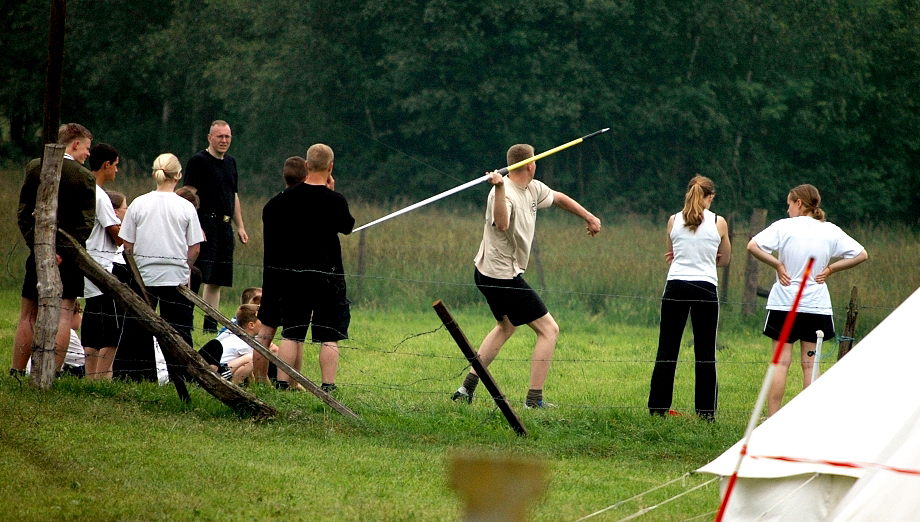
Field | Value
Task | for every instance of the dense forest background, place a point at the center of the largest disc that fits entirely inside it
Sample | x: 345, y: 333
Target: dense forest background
x: 416, y: 97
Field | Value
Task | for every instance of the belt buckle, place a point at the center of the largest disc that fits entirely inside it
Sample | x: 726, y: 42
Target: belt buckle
x: 226, y: 219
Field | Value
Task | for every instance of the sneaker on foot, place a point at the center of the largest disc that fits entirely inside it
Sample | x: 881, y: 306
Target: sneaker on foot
x: 532, y: 405
x: 224, y: 371
x: 329, y: 387
x: 461, y: 394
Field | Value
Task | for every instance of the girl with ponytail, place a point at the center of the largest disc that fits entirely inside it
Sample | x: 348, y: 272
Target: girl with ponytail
x: 804, y: 234
x: 162, y: 230
x: 698, y: 242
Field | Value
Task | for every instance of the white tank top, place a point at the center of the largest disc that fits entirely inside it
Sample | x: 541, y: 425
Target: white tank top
x: 695, y: 252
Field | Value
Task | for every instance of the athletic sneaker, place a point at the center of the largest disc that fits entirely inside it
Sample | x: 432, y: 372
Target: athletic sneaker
x: 224, y: 371
x: 536, y: 405
x: 329, y: 387
x: 461, y: 394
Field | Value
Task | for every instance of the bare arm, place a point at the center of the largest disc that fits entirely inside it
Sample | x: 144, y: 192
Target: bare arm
x: 669, y: 253
x: 841, y: 264
x: 192, y: 253
x: 238, y: 220
x: 724, y: 254
x: 592, y: 223
x: 500, y: 215
x: 113, y: 231
x: 775, y: 263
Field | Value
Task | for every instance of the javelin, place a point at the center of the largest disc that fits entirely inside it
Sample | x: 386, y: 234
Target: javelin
x: 479, y: 180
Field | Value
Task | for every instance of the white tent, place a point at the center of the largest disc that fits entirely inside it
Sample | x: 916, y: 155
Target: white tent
x: 858, y: 408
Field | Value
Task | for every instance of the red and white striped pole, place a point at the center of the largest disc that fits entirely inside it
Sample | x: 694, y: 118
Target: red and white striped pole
x: 765, y: 388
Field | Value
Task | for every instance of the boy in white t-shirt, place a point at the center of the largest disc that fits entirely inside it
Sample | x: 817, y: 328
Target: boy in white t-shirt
x: 102, y: 327
x: 805, y: 234
x: 229, y: 355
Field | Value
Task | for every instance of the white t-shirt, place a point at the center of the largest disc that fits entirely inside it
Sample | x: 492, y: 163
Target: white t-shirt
x: 796, y: 239
x: 695, y: 252
x: 504, y: 255
x: 162, y: 226
x: 75, y: 355
x: 234, y: 347
x: 100, y: 244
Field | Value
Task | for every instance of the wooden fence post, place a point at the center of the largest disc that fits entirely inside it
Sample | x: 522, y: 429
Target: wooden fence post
x: 496, y: 488
x: 46, y: 270
x: 460, y: 338
x: 849, y: 329
x: 749, y: 299
x: 726, y: 270
x: 170, y: 341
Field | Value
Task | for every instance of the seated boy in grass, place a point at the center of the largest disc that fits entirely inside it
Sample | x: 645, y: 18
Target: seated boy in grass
x: 228, y: 354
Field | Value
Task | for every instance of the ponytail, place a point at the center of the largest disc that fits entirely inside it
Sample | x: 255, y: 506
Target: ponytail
x: 699, y: 188
x: 811, y: 200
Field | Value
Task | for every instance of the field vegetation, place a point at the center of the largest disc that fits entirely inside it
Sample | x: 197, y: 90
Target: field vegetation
x: 134, y: 451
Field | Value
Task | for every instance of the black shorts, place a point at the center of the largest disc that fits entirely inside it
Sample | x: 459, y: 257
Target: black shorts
x: 102, y: 322
x: 803, y: 329
x: 304, y: 300
x: 513, y: 298
x: 71, y: 280
x: 215, y: 260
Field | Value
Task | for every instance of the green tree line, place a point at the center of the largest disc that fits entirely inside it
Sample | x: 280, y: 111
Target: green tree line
x: 418, y: 96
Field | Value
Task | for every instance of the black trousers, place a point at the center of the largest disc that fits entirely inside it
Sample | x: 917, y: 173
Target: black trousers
x: 700, y: 301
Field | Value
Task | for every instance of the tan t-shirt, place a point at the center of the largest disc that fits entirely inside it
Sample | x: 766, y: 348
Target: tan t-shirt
x: 504, y: 255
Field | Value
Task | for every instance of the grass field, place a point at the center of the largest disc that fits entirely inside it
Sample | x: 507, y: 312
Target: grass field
x: 128, y: 451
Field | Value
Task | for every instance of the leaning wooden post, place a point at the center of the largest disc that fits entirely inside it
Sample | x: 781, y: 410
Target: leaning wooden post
x: 283, y: 366
x: 460, y: 338
x: 749, y: 299
x: 849, y: 329
x: 46, y: 270
x: 170, y: 341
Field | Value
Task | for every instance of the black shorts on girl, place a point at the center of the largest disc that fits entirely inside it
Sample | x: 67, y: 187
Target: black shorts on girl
x: 803, y: 329
x: 102, y: 322
x: 513, y: 298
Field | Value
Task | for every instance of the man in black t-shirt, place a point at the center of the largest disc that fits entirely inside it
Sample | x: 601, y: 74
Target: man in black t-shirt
x: 212, y: 173
x: 304, y: 280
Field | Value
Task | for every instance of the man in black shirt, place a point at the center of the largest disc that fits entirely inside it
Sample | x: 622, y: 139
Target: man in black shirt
x: 303, y: 279
x: 212, y: 173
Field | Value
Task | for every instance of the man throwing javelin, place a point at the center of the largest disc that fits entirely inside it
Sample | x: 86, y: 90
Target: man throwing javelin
x: 510, y: 220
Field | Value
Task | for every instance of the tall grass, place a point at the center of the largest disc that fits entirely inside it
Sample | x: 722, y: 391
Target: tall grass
x: 414, y: 259
x: 124, y: 450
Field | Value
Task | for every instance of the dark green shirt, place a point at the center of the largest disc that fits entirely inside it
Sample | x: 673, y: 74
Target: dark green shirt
x: 76, y: 212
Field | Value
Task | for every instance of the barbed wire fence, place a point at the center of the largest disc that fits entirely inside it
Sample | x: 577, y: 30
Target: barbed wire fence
x: 361, y: 358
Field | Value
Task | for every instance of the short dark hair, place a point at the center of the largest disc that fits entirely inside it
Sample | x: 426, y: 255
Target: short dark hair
x: 294, y: 170
x: 190, y: 194
x: 248, y: 294
x: 117, y: 198
x: 99, y: 154
x: 73, y: 131
x: 246, y: 313
x: 519, y: 152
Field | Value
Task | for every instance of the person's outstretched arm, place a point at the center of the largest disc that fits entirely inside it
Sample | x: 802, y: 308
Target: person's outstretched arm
x: 592, y: 223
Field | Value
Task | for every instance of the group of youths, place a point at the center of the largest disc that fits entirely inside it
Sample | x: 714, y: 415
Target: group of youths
x: 171, y: 234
